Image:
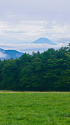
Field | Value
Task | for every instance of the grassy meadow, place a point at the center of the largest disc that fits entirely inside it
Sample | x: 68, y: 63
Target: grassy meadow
x: 34, y: 108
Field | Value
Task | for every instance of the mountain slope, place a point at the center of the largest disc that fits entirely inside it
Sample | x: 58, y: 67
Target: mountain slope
x: 8, y: 54
x: 44, y: 40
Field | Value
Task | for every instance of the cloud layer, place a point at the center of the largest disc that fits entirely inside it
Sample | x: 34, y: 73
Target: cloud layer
x: 36, y: 9
x: 28, y: 31
x: 24, y: 21
x: 29, y: 48
x: 20, y: 36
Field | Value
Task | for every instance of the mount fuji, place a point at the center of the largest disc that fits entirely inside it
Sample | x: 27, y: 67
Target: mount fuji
x: 45, y: 41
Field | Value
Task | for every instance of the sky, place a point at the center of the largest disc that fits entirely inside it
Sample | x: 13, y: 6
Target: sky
x: 24, y: 21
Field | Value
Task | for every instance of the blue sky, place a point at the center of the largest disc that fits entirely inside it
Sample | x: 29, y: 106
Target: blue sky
x: 23, y: 21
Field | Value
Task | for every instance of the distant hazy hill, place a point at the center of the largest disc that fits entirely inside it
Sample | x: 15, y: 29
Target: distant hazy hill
x: 44, y: 40
x: 8, y: 54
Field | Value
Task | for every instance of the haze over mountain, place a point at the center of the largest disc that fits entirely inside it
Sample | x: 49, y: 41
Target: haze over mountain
x: 63, y: 40
x: 8, y: 54
x: 44, y: 40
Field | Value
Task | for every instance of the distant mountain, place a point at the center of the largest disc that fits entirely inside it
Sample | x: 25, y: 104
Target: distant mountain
x: 44, y: 40
x: 8, y: 54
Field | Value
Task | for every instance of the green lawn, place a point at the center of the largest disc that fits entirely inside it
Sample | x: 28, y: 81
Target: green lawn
x: 35, y: 108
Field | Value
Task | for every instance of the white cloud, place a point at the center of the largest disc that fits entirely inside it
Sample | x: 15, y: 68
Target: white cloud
x: 29, y: 48
x: 37, y: 9
x: 28, y: 31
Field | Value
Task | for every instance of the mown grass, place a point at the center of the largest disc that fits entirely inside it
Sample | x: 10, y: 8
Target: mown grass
x: 35, y: 108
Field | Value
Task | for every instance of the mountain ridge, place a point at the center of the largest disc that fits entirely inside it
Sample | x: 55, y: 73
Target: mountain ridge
x: 8, y: 54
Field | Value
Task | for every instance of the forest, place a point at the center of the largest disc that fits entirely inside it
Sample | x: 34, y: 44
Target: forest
x: 46, y: 71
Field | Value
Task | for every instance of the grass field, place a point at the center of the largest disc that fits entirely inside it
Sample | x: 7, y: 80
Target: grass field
x: 34, y: 108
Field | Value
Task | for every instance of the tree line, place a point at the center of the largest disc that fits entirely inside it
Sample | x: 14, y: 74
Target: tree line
x: 47, y: 71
